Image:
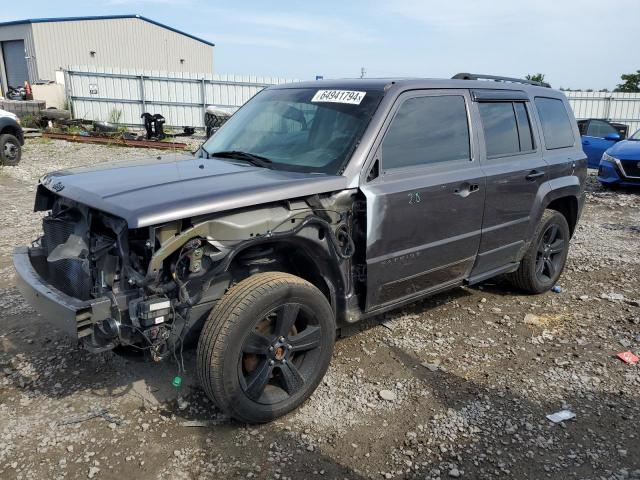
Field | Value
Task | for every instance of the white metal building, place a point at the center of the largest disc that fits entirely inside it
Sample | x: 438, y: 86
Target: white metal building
x: 34, y: 49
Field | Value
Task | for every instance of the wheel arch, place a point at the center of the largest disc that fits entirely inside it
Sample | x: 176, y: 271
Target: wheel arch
x: 11, y: 128
x: 568, y: 207
x: 561, y: 194
x: 305, y: 258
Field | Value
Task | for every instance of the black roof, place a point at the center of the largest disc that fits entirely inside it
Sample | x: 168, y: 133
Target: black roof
x: 416, y: 83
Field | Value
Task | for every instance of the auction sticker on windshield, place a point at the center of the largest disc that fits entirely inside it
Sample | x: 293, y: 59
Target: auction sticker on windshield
x: 339, y: 96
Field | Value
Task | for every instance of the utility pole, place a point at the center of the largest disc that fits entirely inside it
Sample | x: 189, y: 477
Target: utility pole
x: 363, y: 72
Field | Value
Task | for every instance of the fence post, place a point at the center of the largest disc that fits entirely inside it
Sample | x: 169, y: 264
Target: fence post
x: 142, y: 98
x: 607, y: 112
x: 68, y: 90
x: 203, y: 92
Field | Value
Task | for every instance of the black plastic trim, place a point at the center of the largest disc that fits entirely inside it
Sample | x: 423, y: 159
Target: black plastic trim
x: 489, y: 95
x: 60, y: 309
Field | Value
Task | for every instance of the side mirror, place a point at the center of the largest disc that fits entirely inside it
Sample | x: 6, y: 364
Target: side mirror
x: 614, y: 137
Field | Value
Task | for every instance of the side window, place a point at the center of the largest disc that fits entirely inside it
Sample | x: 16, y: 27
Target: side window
x: 500, y: 128
x: 556, y: 126
x: 427, y: 130
x: 524, y: 127
x: 598, y: 128
x: 582, y: 126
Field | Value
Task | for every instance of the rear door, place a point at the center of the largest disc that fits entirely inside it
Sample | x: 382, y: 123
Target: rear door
x: 594, y: 142
x: 512, y: 161
x: 424, y: 209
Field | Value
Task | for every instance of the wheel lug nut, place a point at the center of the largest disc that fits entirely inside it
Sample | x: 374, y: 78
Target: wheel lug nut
x: 271, y: 362
x: 271, y: 349
x: 281, y: 339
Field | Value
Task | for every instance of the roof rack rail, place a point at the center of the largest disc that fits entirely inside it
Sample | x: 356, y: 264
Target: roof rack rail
x: 496, y: 78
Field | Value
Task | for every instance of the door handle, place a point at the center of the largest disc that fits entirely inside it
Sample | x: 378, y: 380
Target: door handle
x: 586, y: 142
x: 535, y: 174
x: 466, y: 189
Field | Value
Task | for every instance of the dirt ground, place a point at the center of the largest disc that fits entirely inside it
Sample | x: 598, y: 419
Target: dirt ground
x: 472, y: 375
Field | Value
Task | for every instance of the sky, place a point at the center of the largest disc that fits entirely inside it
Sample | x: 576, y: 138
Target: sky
x: 577, y: 44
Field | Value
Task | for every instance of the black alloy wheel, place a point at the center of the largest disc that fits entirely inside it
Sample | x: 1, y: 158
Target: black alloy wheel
x: 544, y: 260
x: 266, y: 346
x: 549, y: 260
x: 279, y: 354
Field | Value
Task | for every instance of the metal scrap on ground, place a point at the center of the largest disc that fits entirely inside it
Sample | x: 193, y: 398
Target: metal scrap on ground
x: 103, y: 412
x: 116, y: 141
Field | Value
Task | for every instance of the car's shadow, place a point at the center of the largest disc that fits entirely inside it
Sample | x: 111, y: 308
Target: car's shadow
x: 59, y: 367
x: 38, y: 361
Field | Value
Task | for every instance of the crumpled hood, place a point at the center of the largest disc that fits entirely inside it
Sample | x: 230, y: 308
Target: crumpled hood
x: 155, y: 190
x: 626, y: 150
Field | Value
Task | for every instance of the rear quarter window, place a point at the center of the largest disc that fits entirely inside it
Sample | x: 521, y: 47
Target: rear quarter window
x: 556, y: 126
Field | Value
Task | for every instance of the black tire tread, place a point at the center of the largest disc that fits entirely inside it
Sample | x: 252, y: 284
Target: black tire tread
x: 222, y: 319
x: 3, y: 161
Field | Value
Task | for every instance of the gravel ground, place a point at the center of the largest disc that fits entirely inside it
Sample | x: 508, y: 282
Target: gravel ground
x: 456, y: 386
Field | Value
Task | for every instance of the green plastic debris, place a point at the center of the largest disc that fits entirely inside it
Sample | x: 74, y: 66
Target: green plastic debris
x: 177, y: 381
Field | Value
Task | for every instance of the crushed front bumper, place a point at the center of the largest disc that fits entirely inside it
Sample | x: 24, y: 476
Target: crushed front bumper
x: 74, y: 317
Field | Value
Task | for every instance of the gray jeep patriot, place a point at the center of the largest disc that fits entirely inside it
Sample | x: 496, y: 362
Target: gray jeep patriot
x: 315, y: 206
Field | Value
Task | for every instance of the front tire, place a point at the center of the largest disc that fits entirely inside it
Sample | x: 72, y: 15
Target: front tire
x: 10, y: 150
x: 266, y: 346
x: 544, y: 261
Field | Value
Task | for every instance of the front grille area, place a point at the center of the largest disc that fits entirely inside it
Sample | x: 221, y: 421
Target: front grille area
x: 631, y: 168
x: 70, y: 275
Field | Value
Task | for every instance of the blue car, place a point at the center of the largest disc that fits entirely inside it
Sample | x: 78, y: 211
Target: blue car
x: 620, y: 164
x: 597, y: 136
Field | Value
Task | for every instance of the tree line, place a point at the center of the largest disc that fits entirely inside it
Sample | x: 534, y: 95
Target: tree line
x: 630, y: 83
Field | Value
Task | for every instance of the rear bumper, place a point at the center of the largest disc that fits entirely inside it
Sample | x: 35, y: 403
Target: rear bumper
x: 74, y: 317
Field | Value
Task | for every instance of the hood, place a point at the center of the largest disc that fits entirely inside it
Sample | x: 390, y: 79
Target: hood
x: 155, y: 190
x: 4, y: 113
x: 626, y: 150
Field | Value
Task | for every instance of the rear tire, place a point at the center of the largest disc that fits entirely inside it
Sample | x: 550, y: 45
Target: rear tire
x: 544, y: 261
x: 266, y: 346
x: 10, y: 150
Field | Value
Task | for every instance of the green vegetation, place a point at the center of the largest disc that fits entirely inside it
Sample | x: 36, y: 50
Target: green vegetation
x: 631, y: 83
x: 536, y: 77
x: 31, y: 121
x: 114, y: 116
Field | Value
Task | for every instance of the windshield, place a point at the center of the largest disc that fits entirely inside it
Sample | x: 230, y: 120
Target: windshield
x: 635, y: 136
x: 298, y: 129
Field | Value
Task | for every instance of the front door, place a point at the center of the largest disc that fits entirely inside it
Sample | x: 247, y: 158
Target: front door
x: 594, y: 142
x: 424, y: 209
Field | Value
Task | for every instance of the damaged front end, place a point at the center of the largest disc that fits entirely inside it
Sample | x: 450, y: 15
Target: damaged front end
x: 151, y: 288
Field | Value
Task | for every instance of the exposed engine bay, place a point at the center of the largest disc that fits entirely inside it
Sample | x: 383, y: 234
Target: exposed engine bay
x: 163, y: 280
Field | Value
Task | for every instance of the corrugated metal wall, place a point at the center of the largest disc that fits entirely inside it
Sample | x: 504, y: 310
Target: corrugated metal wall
x: 19, y: 32
x: 119, y: 42
x: 180, y: 97
x: 615, y: 107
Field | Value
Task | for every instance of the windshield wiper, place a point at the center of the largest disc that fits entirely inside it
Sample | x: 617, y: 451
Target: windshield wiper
x: 252, y: 158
